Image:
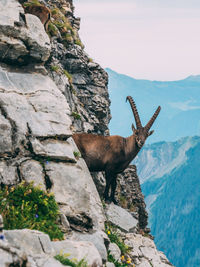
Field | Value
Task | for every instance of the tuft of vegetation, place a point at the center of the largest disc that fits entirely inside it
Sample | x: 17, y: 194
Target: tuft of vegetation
x: 52, y: 30
x: 65, y: 261
x: 77, y: 154
x: 76, y: 115
x: 55, y: 68
x: 32, y: 2
x: 115, y: 238
x: 78, y: 42
x: 68, y: 75
x: 25, y: 206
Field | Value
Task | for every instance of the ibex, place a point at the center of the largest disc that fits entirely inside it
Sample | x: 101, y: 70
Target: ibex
x: 42, y: 12
x: 113, y: 154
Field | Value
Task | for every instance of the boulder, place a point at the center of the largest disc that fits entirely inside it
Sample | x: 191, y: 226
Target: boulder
x: 32, y: 242
x: 121, y: 218
x: 78, y: 250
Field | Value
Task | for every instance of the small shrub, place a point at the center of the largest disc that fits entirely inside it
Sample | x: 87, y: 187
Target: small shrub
x: 76, y: 115
x: 65, y: 261
x: 26, y: 206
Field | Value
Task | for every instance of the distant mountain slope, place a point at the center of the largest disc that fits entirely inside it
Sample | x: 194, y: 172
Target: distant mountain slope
x: 170, y: 174
x: 180, y: 102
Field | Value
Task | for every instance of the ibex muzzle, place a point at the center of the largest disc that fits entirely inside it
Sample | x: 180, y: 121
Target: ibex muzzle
x: 113, y: 154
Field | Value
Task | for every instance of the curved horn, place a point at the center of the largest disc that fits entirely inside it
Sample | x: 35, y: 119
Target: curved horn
x: 151, y: 121
x: 135, y: 112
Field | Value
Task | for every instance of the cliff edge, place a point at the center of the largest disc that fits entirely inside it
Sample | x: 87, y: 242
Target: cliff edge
x: 49, y: 89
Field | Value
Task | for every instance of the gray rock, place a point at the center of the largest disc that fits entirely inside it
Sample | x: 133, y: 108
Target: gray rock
x: 64, y: 222
x: 5, y: 136
x: 8, y: 174
x: 114, y: 251
x: 37, y: 39
x: 121, y: 218
x: 79, y: 250
x: 10, y: 256
x: 9, y: 12
x: 72, y: 185
x: 110, y: 264
x: 34, y: 100
x: 48, y: 262
x: 144, y: 249
x: 30, y: 241
x: 54, y: 149
x: 32, y: 171
x: 18, y: 43
x: 97, y: 238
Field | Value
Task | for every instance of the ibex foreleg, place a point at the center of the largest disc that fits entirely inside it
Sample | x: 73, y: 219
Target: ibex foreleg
x: 110, y: 183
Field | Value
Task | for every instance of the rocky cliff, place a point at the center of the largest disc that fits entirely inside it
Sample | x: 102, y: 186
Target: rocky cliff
x: 50, y: 88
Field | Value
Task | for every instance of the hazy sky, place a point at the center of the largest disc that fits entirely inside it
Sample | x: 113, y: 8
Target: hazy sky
x: 150, y: 39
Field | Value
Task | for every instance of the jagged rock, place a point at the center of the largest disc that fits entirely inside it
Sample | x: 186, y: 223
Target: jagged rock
x: 114, y: 251
x: 79, y: 250
x: 130, y: 196
x: 22, y: 37
x: 144, y: 251
x: 97, y: 238
x: 121, y: 218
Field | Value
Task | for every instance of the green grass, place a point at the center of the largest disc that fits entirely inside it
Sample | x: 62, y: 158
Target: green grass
x: 25, y: 206
x: 65, y: 261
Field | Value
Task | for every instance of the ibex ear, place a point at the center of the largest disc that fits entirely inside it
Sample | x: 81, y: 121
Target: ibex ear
x: 150, y: 133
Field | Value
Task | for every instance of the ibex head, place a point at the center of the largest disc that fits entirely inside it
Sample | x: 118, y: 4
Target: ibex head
x: 141, y: 132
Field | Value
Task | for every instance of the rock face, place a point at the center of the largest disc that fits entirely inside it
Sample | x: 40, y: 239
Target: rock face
x: 50, y: 88
x: 130, y: 196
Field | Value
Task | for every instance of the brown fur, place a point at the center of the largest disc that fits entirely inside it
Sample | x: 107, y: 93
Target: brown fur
x: 113, y: 154
x: 42, y: 12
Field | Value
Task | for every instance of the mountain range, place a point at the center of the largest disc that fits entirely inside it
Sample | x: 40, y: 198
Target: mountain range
x: 170, y: 177
x: 169, y: 164
x: 179, y: 100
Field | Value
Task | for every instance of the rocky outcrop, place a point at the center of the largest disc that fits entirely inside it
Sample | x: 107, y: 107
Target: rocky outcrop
x: 50, y: 88
x: 130, y: 196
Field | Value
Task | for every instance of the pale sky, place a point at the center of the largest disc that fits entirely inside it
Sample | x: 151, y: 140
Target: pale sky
x: 146, y: 39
